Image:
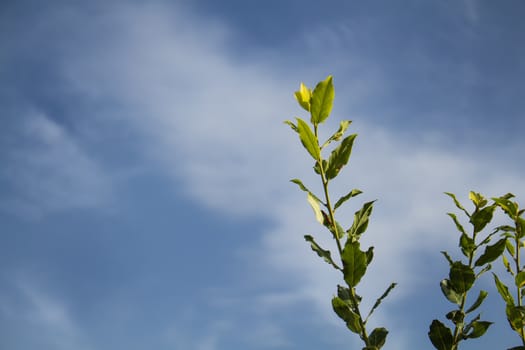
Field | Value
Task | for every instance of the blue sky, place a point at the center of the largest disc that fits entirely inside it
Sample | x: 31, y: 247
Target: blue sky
x: 145, y: 197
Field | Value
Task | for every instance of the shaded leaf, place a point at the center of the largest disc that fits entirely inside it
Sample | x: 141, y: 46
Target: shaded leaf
x: 461, y: 277
x: 492, y: 252
x: 308, y: 139
x: 457, y: 203
x: 339, y: 156
x: 378, y: 337
x: 458, y: 224
x: 478, y: 329
x: 322, y: 101
x: 440, y: 336
x: 481, y: 218
x: 354, y: 263
x: 346, y: 197
x: 481, y: 296
x: 449, y: 259
x: 361, y: 220
x: 342, y: 310
x: 325, y: 254
x: 467, y: 245
x: 380, y: 299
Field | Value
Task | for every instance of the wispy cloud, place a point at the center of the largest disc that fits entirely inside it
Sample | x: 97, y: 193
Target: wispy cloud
x: 49, y: 171
x: 42, y: 317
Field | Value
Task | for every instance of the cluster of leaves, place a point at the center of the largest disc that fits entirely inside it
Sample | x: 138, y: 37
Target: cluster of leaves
x: 353, y: 261
x: 513, y: 236
x: 463, y: 275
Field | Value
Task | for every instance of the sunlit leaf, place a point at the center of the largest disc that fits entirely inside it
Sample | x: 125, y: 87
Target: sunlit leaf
x: 449, y: 293
x: 503, y: 290
x: 303, y: 187
x: 314, y: 203
x: 520, y: 279
x: 343, y: 125
x: 322, y: 101
x: 303, y: 96
x: 308, y: 139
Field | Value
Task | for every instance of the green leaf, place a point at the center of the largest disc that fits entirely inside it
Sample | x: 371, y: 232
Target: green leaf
x: 322, y: 101
x: 520, y: 279
x: 292, y: 125
x: 354, y: 263
x: 303, y: 187
x: 482, y: 295
x: 449, y: 259
x: 380, y: 299
x: 314, y: 203
x: 456, y: 221
x: 515, y: 316
x: 481, y: 218
x: 520, y: 225
x: 339, y: 156
x: 492, y: 252
x: 343, y: 125
x: 346, y: 197
x: 342, y: 309
x: 478, y: 200
x: 440, y: 336
x: 361, y: 218
x: 457, y: 203
x: 503, y: 290
x: 478, y: 329
x: 507, y: 264
x: 467, y: 245
x: 510, y: 208
x: 456, y: 316
x: 304, y: 96
x: 461, y: 277
x: 378, y: 337
x: 325, y: 254
x: 510, y: 248
x: 449, y: 293
x: 308, y: 139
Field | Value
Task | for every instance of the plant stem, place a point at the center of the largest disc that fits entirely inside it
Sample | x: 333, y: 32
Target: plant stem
x: 517, y: 242
x: 337, y: 236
